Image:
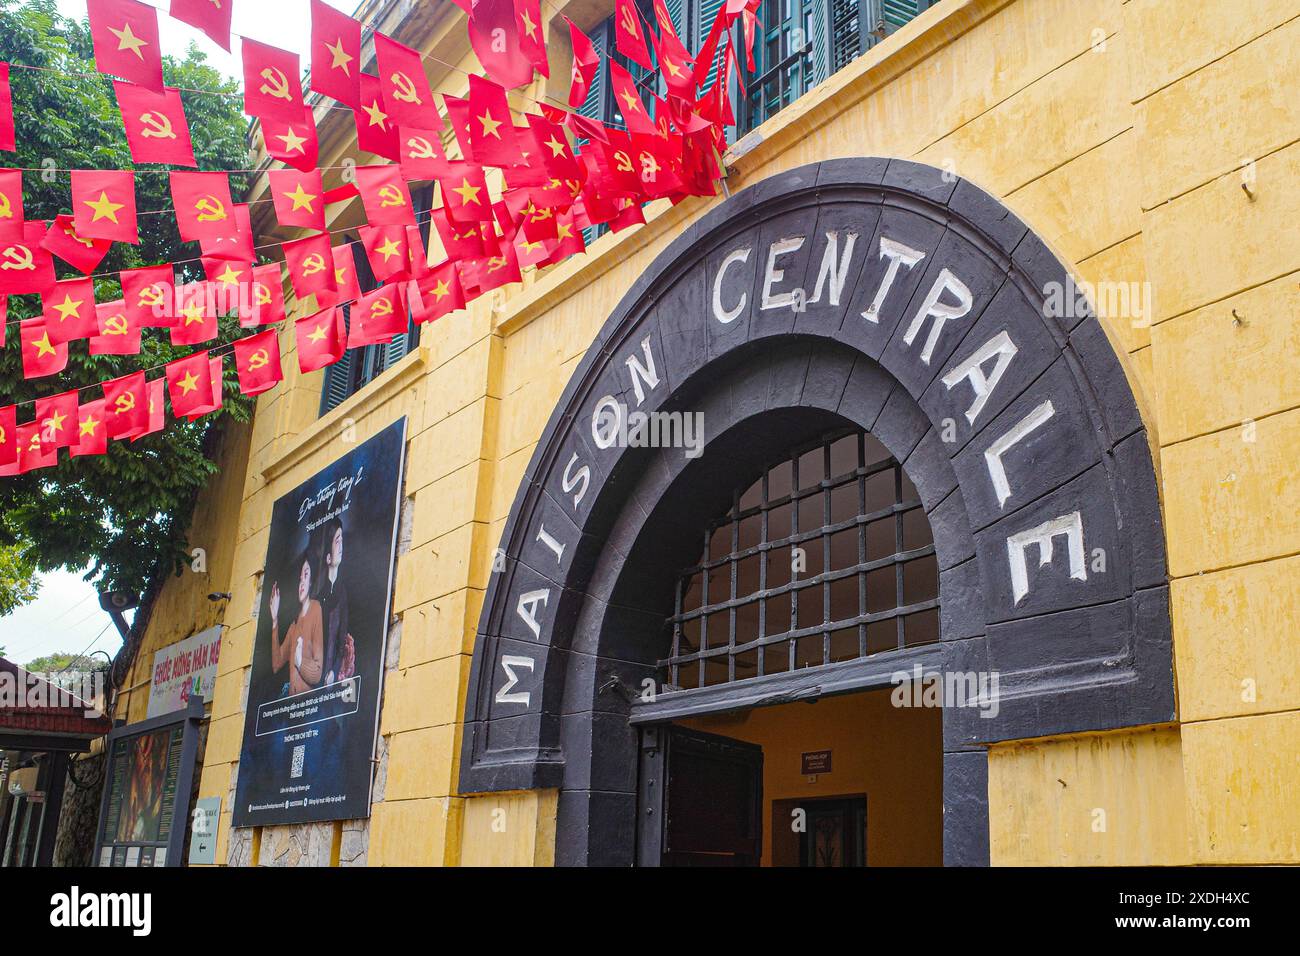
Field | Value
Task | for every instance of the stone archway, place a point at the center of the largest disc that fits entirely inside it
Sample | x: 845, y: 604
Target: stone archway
x: 884, y: 294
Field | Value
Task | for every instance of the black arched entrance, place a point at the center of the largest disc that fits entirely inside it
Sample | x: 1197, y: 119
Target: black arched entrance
x: 875, y: 293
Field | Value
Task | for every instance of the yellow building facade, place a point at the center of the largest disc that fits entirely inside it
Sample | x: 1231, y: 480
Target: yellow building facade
x: 1152, y: 147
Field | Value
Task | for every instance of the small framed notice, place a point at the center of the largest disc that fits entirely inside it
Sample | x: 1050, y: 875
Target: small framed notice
x: 815, y: 762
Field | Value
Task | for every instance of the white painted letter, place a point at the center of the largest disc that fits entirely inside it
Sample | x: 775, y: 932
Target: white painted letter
x: 571, y: 481
x: 646, y: 372
x: 527, y: 608
x: 993, y: 455
x: 508, y: 664
x: 551, y: 543
x: 941, y: 312
x: 723, y: 315
x: 1070, y: 525
x: 1005, y: 350
x: 781, y: 247
x: 837, y: 273
x: 897, y: 254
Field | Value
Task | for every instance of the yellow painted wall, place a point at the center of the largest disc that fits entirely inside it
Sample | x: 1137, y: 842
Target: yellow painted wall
x: 1117, y: 131
x: 894, y: 755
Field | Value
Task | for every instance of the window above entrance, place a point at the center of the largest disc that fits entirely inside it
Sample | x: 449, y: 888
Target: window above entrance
x: 826, y: 557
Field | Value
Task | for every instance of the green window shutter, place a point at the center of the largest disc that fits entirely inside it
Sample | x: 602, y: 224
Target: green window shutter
x: 897, y: 13
x: 338, y: 382
x: 676, y: 13
x: 705, y: 12
x: 821, y: 41
x: 594, y: 105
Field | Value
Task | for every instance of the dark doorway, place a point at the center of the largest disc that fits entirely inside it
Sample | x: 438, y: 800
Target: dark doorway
x: 702, y: 799
x: 835, y: 833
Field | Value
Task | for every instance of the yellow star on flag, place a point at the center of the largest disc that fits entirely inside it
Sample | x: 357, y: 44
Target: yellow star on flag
x: 189, y: 383
x: 467, y: 193
x: 230, y: 276
x: 377, y: 116
x: 126, y: 40
x: 529, y: 26
x: 43, y: 346
x: 292, y: 142
x: 389, y: 249
x: 441, y: 291
x: 88, y: 427
x: 489, y: 124
x: 68, y: 308
x: 192, y: 313
x: 301, y: 199
x: 340, y: 276
x: 341, y: 56
x: 55, y: 422
x: 564, y: 231
x: 557, y: 148
x: 316, y: 334
x: 630, y: 98
x: 104, y: 208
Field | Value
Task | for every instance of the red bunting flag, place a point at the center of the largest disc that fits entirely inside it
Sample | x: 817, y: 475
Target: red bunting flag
x: 628, y: 38
x: 440, y: 293
x: 494, y: 35
x: 57, y: 417
x: 299, y: 198
x: 257, y: 362
x: 80, y: 252
x: 92, y: 433
x: 25, y: 265
x: 8, y: 141
x: 348, y: 287
x: 157, y: 412
x: 33, y: 453
x: 8, y: 435
x: 189, y: 383
x: 295, y: 144
x: 125, y: 35
x: 210, y: 16
x: 532, y: 42
x: 271, y: 82
x: 387, y: 250
x: 408, y: 98
x: 264, y: 303
x: 465, y: 193
x: 117, y: 334
x: 11, y: 205
x: 103, y: 205
x: 417, y: 254
x: 41, y: 356
x: 204, y: 209
x: 422, y: 154
x: 384, y: 196
x: 237, y: 247
x: 156, y: 128
x: 126, y: 405
x: 458, y: 114
x: 335, y: 54
x: 149, y: 296
x: 491, y: 128
x: 310, y: 264
x: 630, y: 106
x: 69, y: 310
x: 460, y: 240
x: 196, y: 319
x: 377, y: 317
x: 225, y: 277
x: 320, y: 339
x: 586, y: 61
x: 376, y: 130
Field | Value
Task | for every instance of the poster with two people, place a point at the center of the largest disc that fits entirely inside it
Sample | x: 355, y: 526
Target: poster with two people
x: 318, y: 653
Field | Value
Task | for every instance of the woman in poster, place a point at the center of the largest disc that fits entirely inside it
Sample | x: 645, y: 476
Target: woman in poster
x: 303, y: 647
x: 340, y: 652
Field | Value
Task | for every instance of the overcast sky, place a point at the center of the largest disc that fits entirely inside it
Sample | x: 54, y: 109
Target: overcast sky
x: 66, y: 616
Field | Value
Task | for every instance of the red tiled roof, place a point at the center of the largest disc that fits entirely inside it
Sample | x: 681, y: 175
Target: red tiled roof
x: 65, y: 714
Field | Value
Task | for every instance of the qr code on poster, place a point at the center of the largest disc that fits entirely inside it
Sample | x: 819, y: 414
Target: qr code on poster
x: 295, y: 769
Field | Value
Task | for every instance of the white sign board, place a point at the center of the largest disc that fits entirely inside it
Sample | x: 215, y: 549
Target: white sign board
x: 183, y: 669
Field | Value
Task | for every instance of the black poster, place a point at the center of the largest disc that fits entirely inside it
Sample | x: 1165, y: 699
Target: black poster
x: 318, y: 654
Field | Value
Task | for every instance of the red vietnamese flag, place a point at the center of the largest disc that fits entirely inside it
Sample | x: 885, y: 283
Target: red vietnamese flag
x: 8, y: 435
x: 103, y: 205
x: 465, y: 193
x: 707, y: 57
x: 458, y: 114
x: 8, y: 141
x: 32, y: 452
x: 210, y: 16
x: 217, y: 377
x: 271, y: 82
x: 189, y: 383
x: 196, y: 319
x: 237, y: 247
x: 348, y: 287
x: 80, y: 252
x: 422, y: 154
x: 335, y: 54
x: 92, y: 433
x: 25, y: 265
x: 125, y: 34
x: 459, y: 240
x: 4, y: 319
x: 41, y: 356
x: 417, y: 254
x: 225, y: 277
x: 310, y: 264
x: 440, y: 293
x: 264, y: 303
x: 408, y: 98
x: 384, y: 196
x: 11, y: 205
x: 126, y: 405
x: 257, y: 362
x: 299, y: 198
x: 150, y: 296
x: 586, y: 61
x: 570, y: 236
x: 628, y: 38
x: 491, y: 128
x: 629, y: 103
x: 157, y: 412
x: 117, y: 334
x: 553, y: 148
x: 69, y: 310
x: 494, y: 35
x: 156, y: 128
x: 376, y: 130
x: 57, y: 417
x: 532, y: 42
x: 204, y: 209
x: 387, y: 250
x: 320, y: 339
x: 295, y: 144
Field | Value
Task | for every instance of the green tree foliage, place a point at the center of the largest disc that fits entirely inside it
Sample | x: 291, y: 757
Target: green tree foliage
x: 64, y: 661
x: 18, y: 582
x: 124, y: 514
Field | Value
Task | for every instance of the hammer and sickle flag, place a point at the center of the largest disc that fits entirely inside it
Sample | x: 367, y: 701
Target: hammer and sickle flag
x: 586, y: 61
x: 125, y: 34
x: 311, y: 265
x: 118, y: 335
x: 149, y: 297
x: 69, y: 310
x: 384, y: 195
x: 257, y: 361
x: 320, y: 338
x: 407, y: 96
x: 103, y: 205
x: 422, y: 155
x: 92, y: 430
x: 272, y: 85
x: 378, y: 317
x: 80, y: 252
x: 7, y: 138
x: 11, y: 205
x: 263, y: 303
x: 8, y: 435
x: 126, y: 406
x: 204, y: 209
x: 156, y: 128
x: 32, y: 452
x: 210, y: 16
x: 629, y: 33
x: 41, y: 357
x: 25, y: 265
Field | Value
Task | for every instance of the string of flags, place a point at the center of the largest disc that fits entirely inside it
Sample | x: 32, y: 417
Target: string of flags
x: 515, y: 195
